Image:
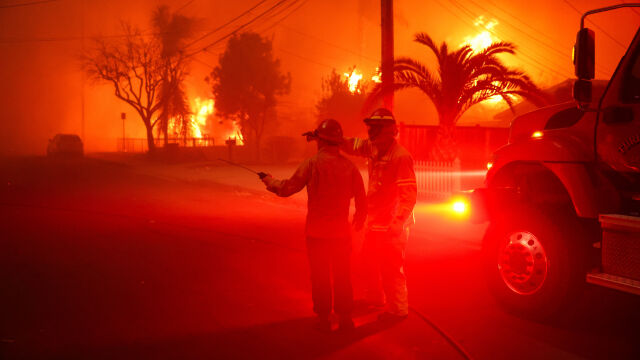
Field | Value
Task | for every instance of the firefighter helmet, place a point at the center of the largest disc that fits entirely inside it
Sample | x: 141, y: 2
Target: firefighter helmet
x: 380, y: 116
x: 330, y: 131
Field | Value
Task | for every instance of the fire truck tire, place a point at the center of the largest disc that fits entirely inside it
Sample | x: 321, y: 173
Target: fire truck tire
x: 535, y: 260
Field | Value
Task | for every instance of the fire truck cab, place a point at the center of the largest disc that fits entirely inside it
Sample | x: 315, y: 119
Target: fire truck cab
x: 563, y: 196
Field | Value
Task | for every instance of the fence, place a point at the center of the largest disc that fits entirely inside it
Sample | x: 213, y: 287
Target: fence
x: 437, y: 179
x: 141, y: 145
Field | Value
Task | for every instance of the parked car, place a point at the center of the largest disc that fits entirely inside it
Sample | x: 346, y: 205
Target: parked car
x: 65, y: 145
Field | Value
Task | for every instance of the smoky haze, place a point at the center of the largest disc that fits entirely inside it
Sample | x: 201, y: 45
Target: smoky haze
x: 43, y: 87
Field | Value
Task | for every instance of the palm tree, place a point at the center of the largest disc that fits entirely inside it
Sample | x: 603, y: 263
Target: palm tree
x: 172, y: 30
x: 464, y: 78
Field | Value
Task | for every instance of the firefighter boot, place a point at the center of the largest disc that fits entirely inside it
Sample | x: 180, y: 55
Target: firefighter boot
x: 346, y: 324
x: 323, y: 324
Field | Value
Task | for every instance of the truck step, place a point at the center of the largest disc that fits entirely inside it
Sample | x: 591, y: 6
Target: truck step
x: 619, y: 221
x: 621, y: 245
x: 614, y: 282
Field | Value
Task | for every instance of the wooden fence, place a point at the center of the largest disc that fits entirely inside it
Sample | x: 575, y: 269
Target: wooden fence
x: 437, y: 179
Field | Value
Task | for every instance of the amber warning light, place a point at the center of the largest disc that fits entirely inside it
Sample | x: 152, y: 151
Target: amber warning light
x: 459, y: 206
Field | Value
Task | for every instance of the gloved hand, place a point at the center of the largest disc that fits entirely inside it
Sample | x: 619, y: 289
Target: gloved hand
x: 396, y: 227
x: 267, y: 179
x: 310, y: 135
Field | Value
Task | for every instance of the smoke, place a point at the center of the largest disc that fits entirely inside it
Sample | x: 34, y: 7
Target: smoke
x: 42, y: 85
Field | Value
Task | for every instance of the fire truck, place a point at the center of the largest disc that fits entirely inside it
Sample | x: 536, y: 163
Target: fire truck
x: 562, y: 198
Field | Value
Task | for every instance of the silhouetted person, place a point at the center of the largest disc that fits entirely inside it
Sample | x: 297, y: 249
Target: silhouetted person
x: 391, y: 197
x: 331, y: 181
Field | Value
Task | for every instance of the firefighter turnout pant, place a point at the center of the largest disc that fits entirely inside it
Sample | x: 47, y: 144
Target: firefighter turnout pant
x: 383, y: 259
x: 327, y: 256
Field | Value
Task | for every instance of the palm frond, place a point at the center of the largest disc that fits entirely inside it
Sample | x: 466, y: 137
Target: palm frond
x: 426, y: 40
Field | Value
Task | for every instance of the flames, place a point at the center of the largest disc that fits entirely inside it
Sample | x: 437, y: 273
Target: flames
x: 481, y: 41
x: 354, y: 79
x: 201, y: 127
x: 236, y: 134
x: 377, y: 77
x: 202, y: 110
x: 485, y: 38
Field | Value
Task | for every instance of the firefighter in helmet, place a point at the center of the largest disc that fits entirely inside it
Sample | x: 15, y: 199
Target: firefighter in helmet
x: 331, y: 181
x: 391, y: 197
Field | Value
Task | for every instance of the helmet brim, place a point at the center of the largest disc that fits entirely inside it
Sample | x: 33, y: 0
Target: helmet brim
x: 378, y: 121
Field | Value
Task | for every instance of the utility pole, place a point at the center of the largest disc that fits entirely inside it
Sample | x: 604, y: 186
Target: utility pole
x: 82, y: 80
x: 386, y: 24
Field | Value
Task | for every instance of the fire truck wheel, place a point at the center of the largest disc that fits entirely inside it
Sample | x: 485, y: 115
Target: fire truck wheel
x: 535, y: 260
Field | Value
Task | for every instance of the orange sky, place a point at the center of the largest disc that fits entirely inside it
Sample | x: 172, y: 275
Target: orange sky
x: 42, y: 84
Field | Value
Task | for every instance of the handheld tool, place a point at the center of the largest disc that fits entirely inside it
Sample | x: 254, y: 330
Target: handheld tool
x: 260, y: 174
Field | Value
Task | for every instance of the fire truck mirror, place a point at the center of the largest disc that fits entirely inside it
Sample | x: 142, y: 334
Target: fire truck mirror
x: 582, y: 90
x: 584, y: 54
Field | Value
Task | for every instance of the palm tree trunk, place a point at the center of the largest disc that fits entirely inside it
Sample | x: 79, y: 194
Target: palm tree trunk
x: 445, y: 147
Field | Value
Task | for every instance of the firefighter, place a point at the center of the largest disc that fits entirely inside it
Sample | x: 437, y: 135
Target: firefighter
x: 391, y: 197
x: 331, y: 181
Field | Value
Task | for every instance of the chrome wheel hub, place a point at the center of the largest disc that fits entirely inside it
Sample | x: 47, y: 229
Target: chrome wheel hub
x: 523, y: 263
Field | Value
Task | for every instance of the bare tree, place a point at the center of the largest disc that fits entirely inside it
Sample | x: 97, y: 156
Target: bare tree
x: 134, y: 65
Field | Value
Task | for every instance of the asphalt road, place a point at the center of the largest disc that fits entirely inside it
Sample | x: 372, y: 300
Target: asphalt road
x: 108, y: 260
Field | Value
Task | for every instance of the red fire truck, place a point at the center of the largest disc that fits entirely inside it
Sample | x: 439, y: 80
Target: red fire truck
x: 563, y: 196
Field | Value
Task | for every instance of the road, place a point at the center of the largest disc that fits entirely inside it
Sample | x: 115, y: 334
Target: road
x: 104, y: 259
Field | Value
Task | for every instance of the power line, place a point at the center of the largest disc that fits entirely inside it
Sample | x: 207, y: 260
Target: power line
x: 278, y: 22
x: 466, y: 23
x: 305, y: 58
x: 528, y: 59
x: 330, y: 43
x: 26, y: 4
x: 472, y: 16
x: 184, y: 6
x: 239, y: 27
x: 596, y: 25
x: 203, y: 62
x: 560, y: 53
x: 227, y: 23
x: 208, y: 49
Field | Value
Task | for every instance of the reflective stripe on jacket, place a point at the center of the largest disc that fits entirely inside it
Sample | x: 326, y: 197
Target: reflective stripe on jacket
x: 331, y: 181
x: 392, y: 183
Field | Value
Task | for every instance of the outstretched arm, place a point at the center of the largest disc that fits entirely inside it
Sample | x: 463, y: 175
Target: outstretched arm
x: 295, y: 183
x: 357, y: 146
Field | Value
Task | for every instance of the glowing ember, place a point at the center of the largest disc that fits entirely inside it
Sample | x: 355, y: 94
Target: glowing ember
x: 353, y: 80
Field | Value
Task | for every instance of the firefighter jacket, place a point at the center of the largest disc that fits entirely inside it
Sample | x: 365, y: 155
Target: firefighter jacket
x: 331, y: 181
x: 392, y: 183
